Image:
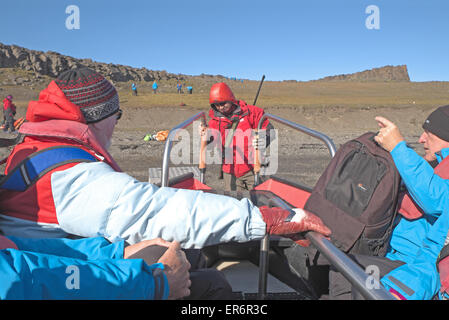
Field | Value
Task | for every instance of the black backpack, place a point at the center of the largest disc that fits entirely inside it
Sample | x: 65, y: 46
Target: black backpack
x: 357, y: 197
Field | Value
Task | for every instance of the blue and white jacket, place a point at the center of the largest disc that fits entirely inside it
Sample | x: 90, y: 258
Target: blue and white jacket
x: 92, y: 199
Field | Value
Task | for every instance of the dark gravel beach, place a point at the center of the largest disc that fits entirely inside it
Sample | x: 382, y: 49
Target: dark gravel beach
x: 301, y: 158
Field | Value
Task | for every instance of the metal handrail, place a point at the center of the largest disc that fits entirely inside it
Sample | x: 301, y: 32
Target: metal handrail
x: 328, y: 141
x: 318, y: 135
x: 348, y: 268
x: 169, y: 143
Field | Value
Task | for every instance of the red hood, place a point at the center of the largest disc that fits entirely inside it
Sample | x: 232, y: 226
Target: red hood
x: 241, y: 107
x: 53, y: 105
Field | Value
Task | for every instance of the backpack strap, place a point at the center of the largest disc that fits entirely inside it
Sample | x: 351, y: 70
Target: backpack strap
x: 33, y: 167
x: 230, y: 135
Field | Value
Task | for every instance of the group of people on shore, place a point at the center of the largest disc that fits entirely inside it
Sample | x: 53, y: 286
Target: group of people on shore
x: 155, y: 87
x: 126, y: 239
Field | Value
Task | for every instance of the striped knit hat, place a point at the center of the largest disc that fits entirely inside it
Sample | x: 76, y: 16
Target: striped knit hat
x: 93, y: 93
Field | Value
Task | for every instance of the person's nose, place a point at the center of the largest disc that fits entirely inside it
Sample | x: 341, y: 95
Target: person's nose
x: 423, y: 138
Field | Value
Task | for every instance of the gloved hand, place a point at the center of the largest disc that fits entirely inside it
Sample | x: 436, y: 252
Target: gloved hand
x: 289, y: 224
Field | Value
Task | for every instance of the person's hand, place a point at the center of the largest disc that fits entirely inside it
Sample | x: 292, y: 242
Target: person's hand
x: 202, y: 130
x: 176, y: 269
x: 289, y: 224
x: 256, y: 142
x: 133, y: 249
x: 389, y: 135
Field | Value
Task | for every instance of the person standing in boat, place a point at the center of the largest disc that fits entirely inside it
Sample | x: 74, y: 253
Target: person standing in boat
x: 232, y: 122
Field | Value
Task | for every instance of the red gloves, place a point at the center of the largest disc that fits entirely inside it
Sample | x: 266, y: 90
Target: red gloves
x: 289, y: 223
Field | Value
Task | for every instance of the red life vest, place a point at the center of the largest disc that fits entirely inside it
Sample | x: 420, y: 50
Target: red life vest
x: 407, y: 207
x: 5, y: 243
x: 248, y: 117
x: 52, y: 121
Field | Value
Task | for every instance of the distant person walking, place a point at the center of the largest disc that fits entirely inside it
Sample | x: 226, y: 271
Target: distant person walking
x: 179, y: 87
x: 9, y: 111
x: 134, y: 88
x: 190, y: 89
x: 155, y: 87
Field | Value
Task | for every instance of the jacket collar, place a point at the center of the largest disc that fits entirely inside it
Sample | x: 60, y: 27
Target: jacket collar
x: 442, y: 154
x: 72, y: 130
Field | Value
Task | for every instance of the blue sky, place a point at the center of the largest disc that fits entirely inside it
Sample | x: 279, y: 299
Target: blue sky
x: 283, y: 39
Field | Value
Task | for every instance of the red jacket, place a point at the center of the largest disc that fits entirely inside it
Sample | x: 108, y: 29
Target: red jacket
x: 7, y: 104
x: 52, y: 121
x: 248, y: 117
x: 407, y: 207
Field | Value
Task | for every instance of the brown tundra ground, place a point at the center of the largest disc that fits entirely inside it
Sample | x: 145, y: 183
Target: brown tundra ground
x: 340, y: 110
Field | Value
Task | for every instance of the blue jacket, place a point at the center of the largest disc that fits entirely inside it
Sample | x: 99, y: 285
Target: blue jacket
x: 418, y: 242
x: 90, y: 268
x: 154, y: 85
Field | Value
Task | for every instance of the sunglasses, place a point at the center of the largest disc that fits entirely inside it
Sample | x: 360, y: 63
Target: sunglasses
x: 220, y: 104
x: 119, y: 114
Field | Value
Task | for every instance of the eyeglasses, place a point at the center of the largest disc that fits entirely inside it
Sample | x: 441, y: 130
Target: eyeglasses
x: 119, y: 114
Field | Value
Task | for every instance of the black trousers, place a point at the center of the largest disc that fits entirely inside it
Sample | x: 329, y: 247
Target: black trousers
x: 207, y: 284
x: 9, y: 122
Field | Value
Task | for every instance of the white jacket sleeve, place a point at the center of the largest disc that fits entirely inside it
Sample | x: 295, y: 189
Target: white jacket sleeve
x: 91, y: 199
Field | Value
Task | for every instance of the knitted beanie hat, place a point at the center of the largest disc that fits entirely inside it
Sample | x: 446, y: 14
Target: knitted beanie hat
x: 438, y: 123
x: 93, y: 93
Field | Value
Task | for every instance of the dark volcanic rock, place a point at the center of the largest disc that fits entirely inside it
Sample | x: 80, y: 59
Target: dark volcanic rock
x: 52, y: 64
x: 387, y: 73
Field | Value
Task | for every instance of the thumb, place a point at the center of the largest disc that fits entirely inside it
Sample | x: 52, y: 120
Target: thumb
x: 175, y: 245
x: 161, y: 242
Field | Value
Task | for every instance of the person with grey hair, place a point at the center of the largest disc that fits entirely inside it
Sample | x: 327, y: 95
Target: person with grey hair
x: 62, y: 182
x: 409, y: 269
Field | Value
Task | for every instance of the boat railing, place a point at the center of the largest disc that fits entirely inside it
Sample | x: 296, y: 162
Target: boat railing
x: 315, y: 134
x: 360, y: 280
x: 172, y: 136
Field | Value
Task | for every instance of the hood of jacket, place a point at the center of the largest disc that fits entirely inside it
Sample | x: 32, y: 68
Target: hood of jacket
x: 239, y: 110
x: 53, y: 105
x: 53, y: 115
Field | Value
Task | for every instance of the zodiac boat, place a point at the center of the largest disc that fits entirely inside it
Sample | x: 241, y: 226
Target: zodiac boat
x: 253, y: 269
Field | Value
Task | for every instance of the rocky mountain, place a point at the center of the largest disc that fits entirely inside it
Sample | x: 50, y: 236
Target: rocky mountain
x: 52, y: 63
x: 41, y: 64
x: 387, y: 73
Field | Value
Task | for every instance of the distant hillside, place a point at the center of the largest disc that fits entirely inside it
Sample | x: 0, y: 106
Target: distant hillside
x: 387, y: 73
x: 52, y: 64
